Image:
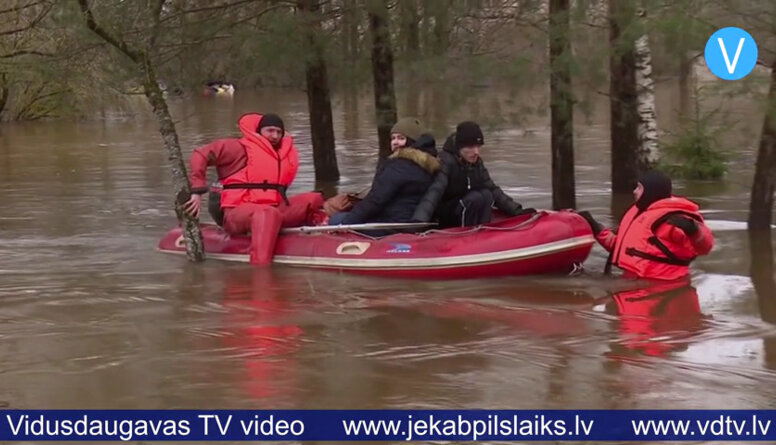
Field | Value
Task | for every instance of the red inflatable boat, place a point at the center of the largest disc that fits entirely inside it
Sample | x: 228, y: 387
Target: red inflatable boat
x: 540, y: 243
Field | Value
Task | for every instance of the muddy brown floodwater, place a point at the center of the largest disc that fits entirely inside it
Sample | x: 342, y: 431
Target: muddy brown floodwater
x: 91, y: 316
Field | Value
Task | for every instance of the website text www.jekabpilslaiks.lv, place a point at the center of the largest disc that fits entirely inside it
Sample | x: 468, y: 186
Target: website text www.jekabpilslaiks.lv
x: 419, y: 428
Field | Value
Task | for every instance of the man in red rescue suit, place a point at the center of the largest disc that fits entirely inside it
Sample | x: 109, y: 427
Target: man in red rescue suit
x: 660, y: 234
x: 255, y: 171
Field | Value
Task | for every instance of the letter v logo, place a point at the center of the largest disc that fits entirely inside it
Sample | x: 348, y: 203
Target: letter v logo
x: 730, y: 66
x: 725, y: 42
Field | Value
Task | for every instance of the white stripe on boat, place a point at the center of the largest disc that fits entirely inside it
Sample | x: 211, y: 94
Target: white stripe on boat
x: 414, y: 263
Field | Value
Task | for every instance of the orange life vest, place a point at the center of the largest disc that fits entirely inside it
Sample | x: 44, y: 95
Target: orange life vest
x: 267, y: 173
x: 640, y: 248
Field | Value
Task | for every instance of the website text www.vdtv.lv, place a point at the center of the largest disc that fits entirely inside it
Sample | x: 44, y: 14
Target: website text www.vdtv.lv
x: 461, y: 428
x: 719, y: 427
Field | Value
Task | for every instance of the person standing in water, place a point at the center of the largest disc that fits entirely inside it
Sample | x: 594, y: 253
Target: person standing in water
x: 660, y: 234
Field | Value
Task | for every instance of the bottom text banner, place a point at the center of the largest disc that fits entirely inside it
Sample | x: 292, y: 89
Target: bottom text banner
x: 388, y: 425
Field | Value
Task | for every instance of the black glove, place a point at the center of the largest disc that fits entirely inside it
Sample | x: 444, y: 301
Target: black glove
x: 688, y: 226
x: 526, y: 211
x: 595, y: 225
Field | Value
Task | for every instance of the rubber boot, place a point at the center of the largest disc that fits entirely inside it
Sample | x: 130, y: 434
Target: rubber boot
x: 265, y: 226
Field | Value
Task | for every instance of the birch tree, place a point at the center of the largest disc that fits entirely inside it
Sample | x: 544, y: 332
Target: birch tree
x: 561, y: 107
x: 648, y: 153
x: 141, y: 58
x: 382, y: 73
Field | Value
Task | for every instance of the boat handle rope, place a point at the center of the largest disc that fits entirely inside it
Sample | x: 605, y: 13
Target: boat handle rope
x: 474, y: 229
x: 578, y: 269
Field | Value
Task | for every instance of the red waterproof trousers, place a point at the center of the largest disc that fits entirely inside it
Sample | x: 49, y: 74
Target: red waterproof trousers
x: 264, y: 222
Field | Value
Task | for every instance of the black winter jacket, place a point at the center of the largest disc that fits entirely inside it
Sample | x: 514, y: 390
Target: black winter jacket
x: 455, y: 178
x: 400, y: 184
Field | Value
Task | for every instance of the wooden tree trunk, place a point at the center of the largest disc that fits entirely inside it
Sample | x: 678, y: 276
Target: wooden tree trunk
x: 769, y: 347
x: 623, y: 99
x: 762, y: 271
x: 410, y: 28
x: 195, y: 249
x: 441, y: 26
x: 426, y: 31
x: 382, y: 73
x: 318, y: 99
x: 350, y: 33
x: 344, y: 34
x: 685, y: 67
x: 321, y: 126
x: 3, y: 97
x: 764, y: 183
x: 561, y: 107
x: 648, y: 151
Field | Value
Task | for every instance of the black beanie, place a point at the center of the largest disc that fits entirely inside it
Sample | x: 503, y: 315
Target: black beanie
x: 657, y: 186
x: 427, y: 144
x: 467, y: 134
x: 270, y: 120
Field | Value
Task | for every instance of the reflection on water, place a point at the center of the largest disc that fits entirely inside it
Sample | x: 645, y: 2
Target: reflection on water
x: 656, y: 320
x: 91, y: 316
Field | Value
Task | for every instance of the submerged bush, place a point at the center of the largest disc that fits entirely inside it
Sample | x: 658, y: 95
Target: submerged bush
x: 695, y: 155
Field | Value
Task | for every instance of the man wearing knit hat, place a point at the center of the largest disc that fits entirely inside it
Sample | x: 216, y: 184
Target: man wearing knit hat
x: 255, y: 172
x: 272, y: 128
x: 463, y: 193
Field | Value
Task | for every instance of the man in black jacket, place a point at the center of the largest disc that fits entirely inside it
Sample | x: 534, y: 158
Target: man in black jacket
x: 463, y: 193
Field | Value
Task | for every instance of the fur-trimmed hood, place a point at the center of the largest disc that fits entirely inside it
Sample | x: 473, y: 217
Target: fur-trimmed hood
x: 423, y: 159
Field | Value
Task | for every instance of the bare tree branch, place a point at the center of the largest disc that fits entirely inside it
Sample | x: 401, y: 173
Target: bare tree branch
x: 20, y: 8
x: 211, y: 8
x: 97, y: 29
x: 214, y: 33
x: 24, y: 112
x: 31, y: 25
x: 156, y: 13
x: 24, y: 53
x: 756, y: 17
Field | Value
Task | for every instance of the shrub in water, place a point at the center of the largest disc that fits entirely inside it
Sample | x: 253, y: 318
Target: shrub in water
x: 697, y: 156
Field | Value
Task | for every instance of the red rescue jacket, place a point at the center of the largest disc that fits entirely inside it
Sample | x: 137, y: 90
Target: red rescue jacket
x: 249, y: 168
x: 646, y: 247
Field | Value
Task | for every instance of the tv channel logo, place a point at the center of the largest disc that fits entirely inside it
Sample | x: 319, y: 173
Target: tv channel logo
x: 731, y: 53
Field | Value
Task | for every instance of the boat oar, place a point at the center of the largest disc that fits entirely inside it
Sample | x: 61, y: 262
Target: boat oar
x: 366, y: 226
